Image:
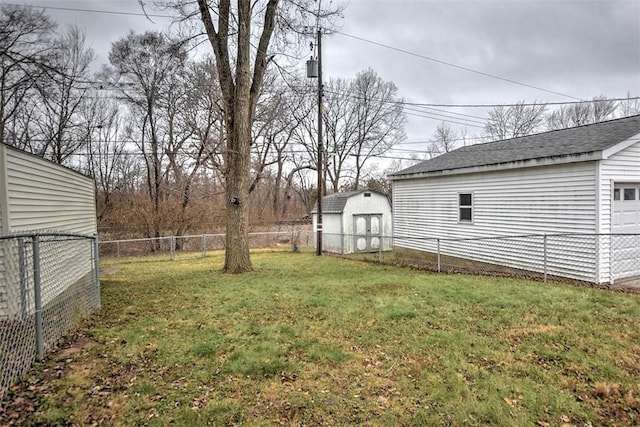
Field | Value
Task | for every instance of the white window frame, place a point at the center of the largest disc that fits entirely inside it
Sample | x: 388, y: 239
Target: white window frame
x: 470, y: 207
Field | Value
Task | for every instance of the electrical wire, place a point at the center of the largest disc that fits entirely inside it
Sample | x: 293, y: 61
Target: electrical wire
x: 439, y: 61
x: 442, y: 120
x: 449, y: 64
x: 75, y: 9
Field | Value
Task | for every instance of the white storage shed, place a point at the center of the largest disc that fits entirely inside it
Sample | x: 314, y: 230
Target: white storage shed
x: 579, y: 185
x: 355, y: 221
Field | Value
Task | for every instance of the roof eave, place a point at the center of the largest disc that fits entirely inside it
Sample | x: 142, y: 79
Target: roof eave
x: 608, y: 152
x: 527, y: 163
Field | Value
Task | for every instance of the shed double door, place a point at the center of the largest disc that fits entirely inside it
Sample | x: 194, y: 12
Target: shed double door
x: 368, y: 232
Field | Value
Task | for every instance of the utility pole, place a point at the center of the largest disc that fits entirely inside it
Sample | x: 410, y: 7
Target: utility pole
x: 320, y: 149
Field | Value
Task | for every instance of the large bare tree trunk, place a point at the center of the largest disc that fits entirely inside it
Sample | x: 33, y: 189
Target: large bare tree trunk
x: 238, y: 155
x: 240, y: 90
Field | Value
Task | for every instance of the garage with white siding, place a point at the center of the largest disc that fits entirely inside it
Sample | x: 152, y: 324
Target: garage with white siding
x: 38, y: 195
x: 579, y: 186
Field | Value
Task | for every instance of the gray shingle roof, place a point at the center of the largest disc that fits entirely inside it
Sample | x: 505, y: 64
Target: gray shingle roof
x: 335, y: 203
x: 559, y: 143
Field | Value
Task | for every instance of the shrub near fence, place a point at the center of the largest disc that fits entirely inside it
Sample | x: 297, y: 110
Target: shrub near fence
x: 48, y: 281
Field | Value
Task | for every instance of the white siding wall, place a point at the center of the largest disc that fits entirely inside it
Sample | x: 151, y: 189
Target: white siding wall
x: 37, y: 195
x: 623, y: 166
x: 549, y: 199
x: 45, y: 196
x: 331, y: 233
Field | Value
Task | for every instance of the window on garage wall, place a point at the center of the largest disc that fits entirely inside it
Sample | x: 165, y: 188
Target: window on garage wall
x: 465, y: 207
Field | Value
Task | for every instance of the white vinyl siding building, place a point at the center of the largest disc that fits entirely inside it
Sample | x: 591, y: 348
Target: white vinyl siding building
x: 37, y: 195
x: 567, y: 192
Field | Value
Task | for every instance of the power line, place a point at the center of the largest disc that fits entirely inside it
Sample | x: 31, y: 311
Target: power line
x: 442, y: 120
x: 106, y: 86
x: 416, y: 111
x: 409, y: 104
x: 75, y: 9
x: 524, y: 104
x: 470, y: 121
x: 429, y: 141
x: 449, y: 64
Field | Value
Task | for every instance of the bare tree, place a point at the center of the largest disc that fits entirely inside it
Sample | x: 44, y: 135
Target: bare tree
x: 444, y: 138
x: 514, y: 121
x: 240, y: 37
x: 60, y: 96
x: 340, y: 120
x: 629, y: 106
x: 147, y: 66
x: 106, y: 149
x: 240, y: 89
x: 380, y: 119
x: 279, y: 115
x: 583, y: 113
x: 25, y: 49
x: 364, y: 118
x: 194, y: 120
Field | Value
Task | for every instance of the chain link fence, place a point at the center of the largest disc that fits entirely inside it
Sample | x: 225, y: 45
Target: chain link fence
x: 180, y: 247
x: 48, y: 282
x: 593, y: 258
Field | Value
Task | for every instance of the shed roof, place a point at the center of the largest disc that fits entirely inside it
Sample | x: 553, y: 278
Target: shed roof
x: 554, y: 144
x: 335, y: 203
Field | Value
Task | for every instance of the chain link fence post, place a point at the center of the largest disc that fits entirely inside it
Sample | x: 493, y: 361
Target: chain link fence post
x: 37, y: 296
x: 544, y: 256
x: 96, y: 269
x: 22, y: 266
x: 438, y: 241
x: 203, y: 240
x: 172, y: 247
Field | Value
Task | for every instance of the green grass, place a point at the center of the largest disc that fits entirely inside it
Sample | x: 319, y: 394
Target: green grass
x: 308, y: 340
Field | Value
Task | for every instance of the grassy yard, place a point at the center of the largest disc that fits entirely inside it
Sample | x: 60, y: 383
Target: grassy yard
x: 326, y: 341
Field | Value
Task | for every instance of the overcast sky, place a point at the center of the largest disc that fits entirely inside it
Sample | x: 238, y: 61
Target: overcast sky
x: 567, y: 49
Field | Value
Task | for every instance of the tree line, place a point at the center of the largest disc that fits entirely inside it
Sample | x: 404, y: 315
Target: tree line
x: 522, y: 119
x: 150, y: 127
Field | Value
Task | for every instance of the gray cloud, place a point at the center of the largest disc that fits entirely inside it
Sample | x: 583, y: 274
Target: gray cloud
x: 581, y: 48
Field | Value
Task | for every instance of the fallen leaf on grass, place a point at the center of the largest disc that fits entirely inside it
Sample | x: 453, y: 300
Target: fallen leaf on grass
x: 510, y: 402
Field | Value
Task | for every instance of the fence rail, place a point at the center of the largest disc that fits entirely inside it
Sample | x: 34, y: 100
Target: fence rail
x: 594, y: 258
x: 197, y: 245
x: 48, y: 281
